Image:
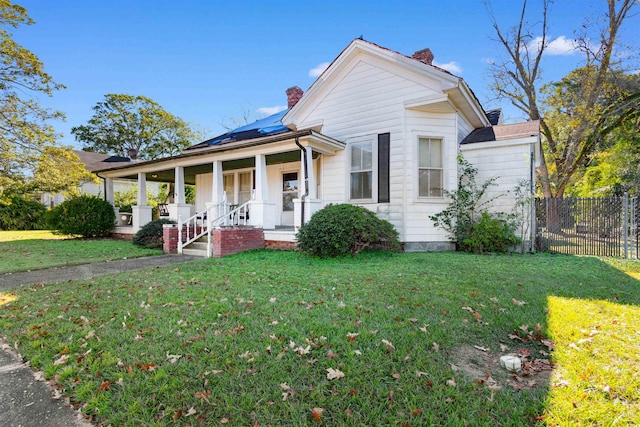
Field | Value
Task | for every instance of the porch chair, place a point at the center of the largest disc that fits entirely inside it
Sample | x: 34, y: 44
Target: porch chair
x: 163, y: 209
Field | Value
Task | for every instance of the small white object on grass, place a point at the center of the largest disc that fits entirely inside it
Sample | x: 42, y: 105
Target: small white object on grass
x: 511, y: 363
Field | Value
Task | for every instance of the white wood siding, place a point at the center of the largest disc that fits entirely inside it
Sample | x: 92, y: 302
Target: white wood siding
x: 369, y: 100
x: 464, y: 128
x: 508, y: 162
x: 204, y: 190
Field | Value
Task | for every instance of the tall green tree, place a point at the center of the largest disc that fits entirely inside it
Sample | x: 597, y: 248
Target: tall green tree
x: 518, y: 78
x: 125, y: 122
x: 30, y: 156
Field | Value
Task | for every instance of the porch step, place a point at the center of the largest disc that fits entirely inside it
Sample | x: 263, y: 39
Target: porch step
x: 195, y: 252
x: 197, y: 248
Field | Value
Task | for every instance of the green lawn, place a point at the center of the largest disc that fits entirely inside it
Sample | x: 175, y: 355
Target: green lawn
x: 275, y: 338
x: 32, y: 250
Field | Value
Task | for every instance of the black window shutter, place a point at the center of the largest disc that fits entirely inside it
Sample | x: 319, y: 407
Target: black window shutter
x: 384, y: 195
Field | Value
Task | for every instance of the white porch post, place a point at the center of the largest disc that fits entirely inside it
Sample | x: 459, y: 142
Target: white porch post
x: 262, y: 213
x: 179, y: 185
x: 141, y: 212
x: 217, y: 190
x: 109, y: 197
x: 261, y: 178
x: 179, y: 208
x: 311, y: 203
x: 311, y: 174
x: 108, y: 190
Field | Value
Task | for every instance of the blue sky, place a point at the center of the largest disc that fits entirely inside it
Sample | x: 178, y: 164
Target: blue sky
x: 208, y: 61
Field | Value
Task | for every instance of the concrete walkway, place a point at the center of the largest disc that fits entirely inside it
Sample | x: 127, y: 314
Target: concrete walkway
x: 25, y: 399
x: 86, y: 271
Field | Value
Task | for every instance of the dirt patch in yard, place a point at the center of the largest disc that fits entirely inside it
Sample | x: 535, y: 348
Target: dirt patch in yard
x: 483, y: 366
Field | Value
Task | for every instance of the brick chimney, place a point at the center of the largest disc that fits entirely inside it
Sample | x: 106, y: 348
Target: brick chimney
x: 294, y: 94
x: 424, y: 55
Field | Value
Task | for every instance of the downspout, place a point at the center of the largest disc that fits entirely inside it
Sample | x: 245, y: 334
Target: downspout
x: 104, y: 184
x: 306, y: 178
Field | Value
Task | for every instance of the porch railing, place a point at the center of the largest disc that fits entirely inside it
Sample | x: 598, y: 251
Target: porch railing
x: 200, y: 224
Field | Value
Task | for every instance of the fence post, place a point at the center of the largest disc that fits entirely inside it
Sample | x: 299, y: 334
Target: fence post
x: 625, y: 223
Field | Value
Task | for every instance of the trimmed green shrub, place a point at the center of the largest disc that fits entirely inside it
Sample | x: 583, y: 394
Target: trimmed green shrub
x: 342, y: 229
x: 86, y: 216
x: 490, y: 234
x: 22, y: 214
x: 150, y: 235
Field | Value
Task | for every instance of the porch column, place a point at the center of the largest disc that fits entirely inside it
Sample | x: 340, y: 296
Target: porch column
x: 179, y: 209
x: 217, y: 191
x: 108, y: 190
x: 217, y: 188
x: 261, y: 178
x: 311, y: 203
x: 179, y: 185
x: 262, y: 213
x: 142, y: 189
x: 311, y: 173
x: 141, y: 212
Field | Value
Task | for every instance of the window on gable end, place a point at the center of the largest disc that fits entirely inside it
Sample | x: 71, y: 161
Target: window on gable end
x: 430, y: 172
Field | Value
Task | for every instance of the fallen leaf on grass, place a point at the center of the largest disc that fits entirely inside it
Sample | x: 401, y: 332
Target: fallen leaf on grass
x: 517, y: 302
x: 190, y: 412
x: 316, y: 413
x: 62, y: 360
x: 106, y: 385
x: 173, y: 358
x: 417, y: 412
x: 424, y: 328
x: 435, y: 346
x: 334, y: 374
x: 388, y: 345
x: 331, y: 354
x: 395, y: 376
x: 477, y: 347
x: 351, y: 336
x: 451, y: 382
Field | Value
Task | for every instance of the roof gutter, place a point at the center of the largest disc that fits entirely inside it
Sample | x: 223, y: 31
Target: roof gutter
x: 306, y: 179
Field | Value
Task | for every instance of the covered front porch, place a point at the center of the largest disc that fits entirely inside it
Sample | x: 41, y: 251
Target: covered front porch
x: 273, y: 183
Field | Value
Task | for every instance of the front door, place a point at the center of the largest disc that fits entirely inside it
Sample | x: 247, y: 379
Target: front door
x: 289, y: 192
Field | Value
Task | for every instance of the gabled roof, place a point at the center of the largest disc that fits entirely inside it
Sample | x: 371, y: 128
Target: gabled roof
x: 455, y: 88
x: 503, y: 132
x: 98, y: 161
x: 271, y: 125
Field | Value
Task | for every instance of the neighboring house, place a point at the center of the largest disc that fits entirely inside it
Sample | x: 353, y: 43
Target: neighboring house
x: 93, y: 162
x: 377, y: 129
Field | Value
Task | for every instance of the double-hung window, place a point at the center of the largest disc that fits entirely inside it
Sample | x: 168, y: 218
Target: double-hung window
x: 430, y: 174
x: 361, y: 171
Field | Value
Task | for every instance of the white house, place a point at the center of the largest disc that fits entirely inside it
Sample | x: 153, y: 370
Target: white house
x: 378, y: 129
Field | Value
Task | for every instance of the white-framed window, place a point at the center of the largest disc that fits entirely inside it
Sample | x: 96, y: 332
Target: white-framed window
x: 430, y: 171
x: 362, y: 170
x: 238, y: 185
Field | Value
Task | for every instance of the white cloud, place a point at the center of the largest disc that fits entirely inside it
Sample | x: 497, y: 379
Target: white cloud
x: 452, y: 67
x: 560, y: 46
x: 316, y: 71
x: 267, y: 111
